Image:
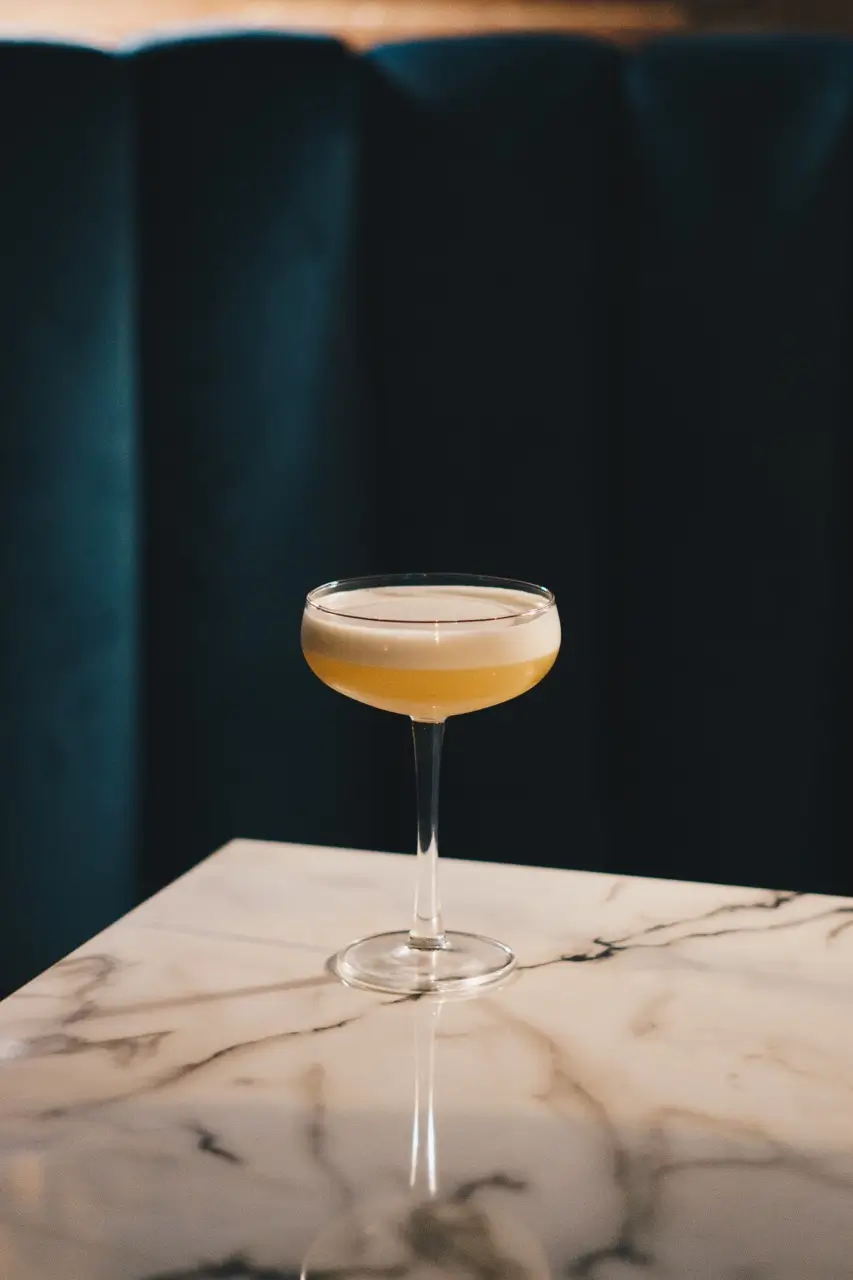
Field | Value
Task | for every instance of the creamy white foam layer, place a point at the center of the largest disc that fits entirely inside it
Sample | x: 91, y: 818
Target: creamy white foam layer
x: 430, y: 628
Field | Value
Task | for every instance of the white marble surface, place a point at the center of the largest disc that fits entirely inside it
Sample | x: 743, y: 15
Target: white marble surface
x: 664, y: 1090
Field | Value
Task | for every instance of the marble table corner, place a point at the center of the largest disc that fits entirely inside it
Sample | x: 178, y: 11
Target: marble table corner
x: 664, y: 1089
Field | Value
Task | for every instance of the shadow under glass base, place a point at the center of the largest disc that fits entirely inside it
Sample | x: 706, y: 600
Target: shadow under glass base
x: 386, y: 962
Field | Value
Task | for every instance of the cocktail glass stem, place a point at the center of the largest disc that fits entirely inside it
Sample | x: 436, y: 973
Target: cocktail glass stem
x: 427, y: 931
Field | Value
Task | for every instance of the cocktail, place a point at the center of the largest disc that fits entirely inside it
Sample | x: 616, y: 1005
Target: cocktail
x: 429, y: 646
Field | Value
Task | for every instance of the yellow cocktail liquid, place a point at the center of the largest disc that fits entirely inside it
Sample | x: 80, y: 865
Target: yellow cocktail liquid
x: 430, y: 694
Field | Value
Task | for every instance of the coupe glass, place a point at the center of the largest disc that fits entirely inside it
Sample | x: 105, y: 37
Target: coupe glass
x: 428, y: 646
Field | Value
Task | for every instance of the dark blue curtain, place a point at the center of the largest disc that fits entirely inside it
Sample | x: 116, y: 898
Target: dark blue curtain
x: 68, y: 503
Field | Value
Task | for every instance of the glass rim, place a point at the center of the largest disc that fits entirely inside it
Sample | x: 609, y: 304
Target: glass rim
x: 547, y: 599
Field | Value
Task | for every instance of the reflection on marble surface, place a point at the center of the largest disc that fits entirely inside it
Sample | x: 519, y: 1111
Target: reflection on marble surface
x: 664, y: 1090
x: 428, y: 1233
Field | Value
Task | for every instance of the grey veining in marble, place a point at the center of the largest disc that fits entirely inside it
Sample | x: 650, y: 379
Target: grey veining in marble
x: 665, y: 1090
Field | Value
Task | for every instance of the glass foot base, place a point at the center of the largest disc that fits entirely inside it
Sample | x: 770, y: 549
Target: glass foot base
x: 386, y: 962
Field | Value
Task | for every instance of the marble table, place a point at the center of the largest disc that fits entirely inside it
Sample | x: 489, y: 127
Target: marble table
x: 665, y: 1089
